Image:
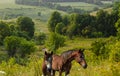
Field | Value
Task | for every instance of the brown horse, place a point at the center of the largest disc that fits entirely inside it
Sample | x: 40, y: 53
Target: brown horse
x: 47, y: 64
x: 62, y: 63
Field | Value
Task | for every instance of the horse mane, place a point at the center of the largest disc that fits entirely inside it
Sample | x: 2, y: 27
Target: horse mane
x: 66, y: 54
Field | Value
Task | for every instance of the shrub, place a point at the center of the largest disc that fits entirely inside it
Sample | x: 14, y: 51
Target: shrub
x: 55, y: 41
x: 17, y: 46
x: 40, y: 38
x: 115, y: 52
x: 99, y: 49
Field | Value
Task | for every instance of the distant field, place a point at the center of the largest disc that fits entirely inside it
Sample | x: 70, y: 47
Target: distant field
x: 8, y: 10
x: 109, y: 10
x: 81, y: 5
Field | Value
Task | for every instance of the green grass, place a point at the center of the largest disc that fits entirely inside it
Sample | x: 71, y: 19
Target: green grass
x: 41, y: 26
x: 78, y: 43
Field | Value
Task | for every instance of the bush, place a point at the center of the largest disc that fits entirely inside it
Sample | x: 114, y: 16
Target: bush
x: 99, y: 49
x: 40, y: 38
x: 115, y: 52
x: 55, y: 41
x: 17, y: 46
x: 4, y: 31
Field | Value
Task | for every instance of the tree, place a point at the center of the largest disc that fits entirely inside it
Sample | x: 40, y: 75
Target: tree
x: 55, y: 41
x: 54, y: 19
x: 59, y: 28
x: 12, y: 44
x: 26, y: 48
x: 18, y: 47
x: 26, y: 25
x: 4, y: 31
x: 40, y: 38
x: 117, y: 25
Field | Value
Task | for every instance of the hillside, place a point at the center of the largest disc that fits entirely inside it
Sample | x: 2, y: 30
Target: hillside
x: 109, y: 10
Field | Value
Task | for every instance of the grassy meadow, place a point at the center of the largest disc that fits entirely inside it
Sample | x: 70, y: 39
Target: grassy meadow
x: 95, y: 67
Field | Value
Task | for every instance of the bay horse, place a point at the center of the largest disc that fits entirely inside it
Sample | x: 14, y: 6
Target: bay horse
x: 47, y: 64
x: 62, y: 63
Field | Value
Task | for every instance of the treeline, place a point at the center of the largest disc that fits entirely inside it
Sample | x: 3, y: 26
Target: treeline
x: 101, y: 25
x: 38, y: 1
x: 67, y: 9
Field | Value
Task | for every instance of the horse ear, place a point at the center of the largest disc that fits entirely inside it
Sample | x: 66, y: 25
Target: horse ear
x: 45, y: 53
x: 51, y: 52
x: 81, y: 50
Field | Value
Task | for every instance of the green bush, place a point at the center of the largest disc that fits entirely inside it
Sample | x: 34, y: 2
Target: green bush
x: 17, y: 46
x: 40, y: 38
x: 115, y: 52
x: 55, y: 41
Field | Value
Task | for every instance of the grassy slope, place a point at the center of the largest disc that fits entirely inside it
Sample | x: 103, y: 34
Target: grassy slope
x: 109, y: 10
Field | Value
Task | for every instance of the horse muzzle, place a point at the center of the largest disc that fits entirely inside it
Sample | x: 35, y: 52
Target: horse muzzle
x: 84, y: 66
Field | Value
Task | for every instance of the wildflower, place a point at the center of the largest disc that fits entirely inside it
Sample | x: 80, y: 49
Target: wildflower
x: 2, y: 72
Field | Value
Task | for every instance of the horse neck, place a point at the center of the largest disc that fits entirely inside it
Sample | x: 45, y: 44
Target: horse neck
x: 69, y: 58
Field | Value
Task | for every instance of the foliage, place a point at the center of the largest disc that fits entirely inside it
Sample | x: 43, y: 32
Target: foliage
x: 98, y: 48
x: 117, y: 25
x: 55, y: 41
x: 59, y: 28
x: 26, y: 25
x: 26, y: 48
x: 40, y: 38
x: 12, y: 44
x: 17, y: 46
x: 115, y: 52
x: 4, y: 31
x: 54, y: 20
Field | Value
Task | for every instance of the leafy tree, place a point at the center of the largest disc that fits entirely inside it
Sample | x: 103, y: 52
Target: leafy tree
x: 55, y: 41
x: 40, y: 38
x: 117, y: 25
x: 26, y: 48
x: 53, y: 20
x: 4, y: 31
x: 59, y: 28
x: 27, y: 25
x: 71, y: 31
x: 12, y: 44
x: 17, y: 46
x: 105, y: 23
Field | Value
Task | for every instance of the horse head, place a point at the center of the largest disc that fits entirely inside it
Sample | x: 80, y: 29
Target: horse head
x: 80, y: 58
x: 48, y: 60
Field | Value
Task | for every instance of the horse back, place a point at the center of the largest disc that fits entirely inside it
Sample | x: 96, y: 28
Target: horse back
x: 57, y: 62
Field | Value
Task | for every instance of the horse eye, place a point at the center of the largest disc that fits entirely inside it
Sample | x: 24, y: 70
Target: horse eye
x: 82, y: 56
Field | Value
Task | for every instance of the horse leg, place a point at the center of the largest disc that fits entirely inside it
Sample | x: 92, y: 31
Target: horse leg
x: 68, y: 69
x: 44, y: 70
x: 53, y: 73
x: 67, y: 73
x: 60, y: 73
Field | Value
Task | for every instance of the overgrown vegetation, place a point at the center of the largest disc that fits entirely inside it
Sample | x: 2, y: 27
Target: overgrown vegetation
x: 20, y: 46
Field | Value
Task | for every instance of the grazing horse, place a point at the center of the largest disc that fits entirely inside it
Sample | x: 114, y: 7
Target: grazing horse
x: 62, y: 63
x: 47, y: 64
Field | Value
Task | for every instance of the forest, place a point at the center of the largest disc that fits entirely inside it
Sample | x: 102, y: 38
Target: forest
x: 22, y: 41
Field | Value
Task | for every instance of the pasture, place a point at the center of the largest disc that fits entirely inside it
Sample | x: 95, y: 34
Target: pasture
x: 96, y: 66
x: 10, y: 10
